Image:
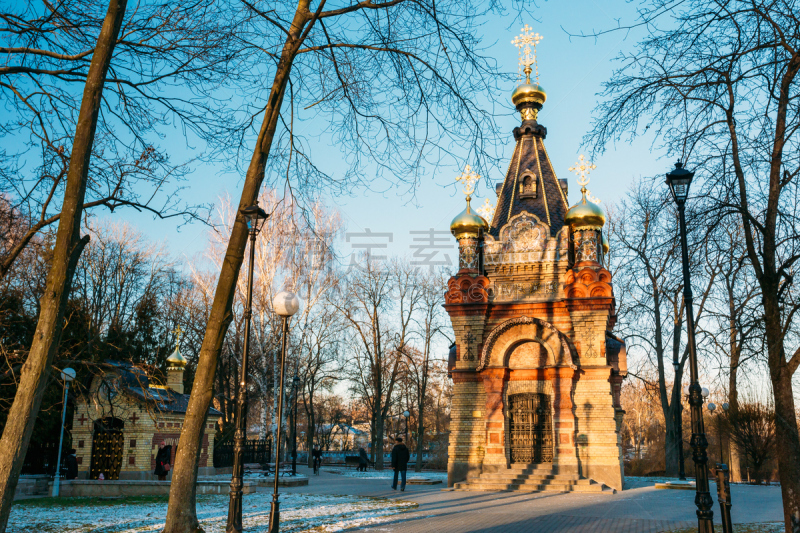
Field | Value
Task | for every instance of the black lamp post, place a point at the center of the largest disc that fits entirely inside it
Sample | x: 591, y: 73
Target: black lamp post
x: 679, y: 427
x: 285, y: 304
x: 295, y: 384
x: 406, y: 414
x: 255, y: 218
x: 711, y: 408
x: 679, y: 181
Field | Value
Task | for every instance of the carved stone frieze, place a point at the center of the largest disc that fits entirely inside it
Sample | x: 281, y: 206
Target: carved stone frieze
x: 525, y: 239
x: 466, y: 289
x: 588, y: 283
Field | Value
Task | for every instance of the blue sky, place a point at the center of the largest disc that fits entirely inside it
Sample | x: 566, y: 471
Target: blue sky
x: 571, y: 70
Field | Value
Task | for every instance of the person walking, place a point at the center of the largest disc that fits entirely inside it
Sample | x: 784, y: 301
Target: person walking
x: 316, y: 454
x: 363, y: 460
x: 400, y: 457
x: 163, y: 461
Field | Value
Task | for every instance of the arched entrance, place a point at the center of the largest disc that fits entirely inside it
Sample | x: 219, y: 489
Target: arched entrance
x: 107, y: 443
x: 530, y: 428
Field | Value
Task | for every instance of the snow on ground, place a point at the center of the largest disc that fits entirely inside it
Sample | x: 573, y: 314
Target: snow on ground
x: 299, y: 512
x: 383, y: 474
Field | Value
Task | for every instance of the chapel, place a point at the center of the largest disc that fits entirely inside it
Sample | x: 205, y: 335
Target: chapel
x: 537, y: 370
x: 118, y: 425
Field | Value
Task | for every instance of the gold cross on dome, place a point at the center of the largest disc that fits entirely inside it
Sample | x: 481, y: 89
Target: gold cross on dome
x: 486, y: 210
x: 582, y: 169
x: 592, y: 198
x: 526, y: 46
x: 468, y: 178
x: 177, y: 331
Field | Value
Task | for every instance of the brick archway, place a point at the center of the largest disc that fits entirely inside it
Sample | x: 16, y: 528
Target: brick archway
x: 511, y: 333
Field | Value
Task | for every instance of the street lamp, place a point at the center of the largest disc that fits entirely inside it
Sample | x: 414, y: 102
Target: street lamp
x: 406, y: 414
x: 295, y: 384
x: 254, y: 217
x: 68, y: 374
x: 285, y: 304
x: 679, y: 426
x: 679, y: 181
x: 712, y: 407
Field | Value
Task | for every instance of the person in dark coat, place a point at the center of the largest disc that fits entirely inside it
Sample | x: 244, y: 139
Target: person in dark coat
x: 400, y: 457
x: 72, y: 464
x: 163, y: 461
x: 316, y: 454
x: 363, y: 460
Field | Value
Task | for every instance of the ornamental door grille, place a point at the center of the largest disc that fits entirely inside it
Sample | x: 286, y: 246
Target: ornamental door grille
x: 531, y: 428
x: 106, y: 453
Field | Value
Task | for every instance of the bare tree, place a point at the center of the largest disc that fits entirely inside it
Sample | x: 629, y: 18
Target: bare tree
x: 717, y: 83
x: 68, y: 247
x: 645, y: 262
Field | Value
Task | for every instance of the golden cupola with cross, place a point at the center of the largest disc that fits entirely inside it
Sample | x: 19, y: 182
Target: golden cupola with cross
x: 537, y: 370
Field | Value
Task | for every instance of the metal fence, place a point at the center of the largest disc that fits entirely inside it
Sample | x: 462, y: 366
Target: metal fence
x: 255, y: 451
x: 41, y: 458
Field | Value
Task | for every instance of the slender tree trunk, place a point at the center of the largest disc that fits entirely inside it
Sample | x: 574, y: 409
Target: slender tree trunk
x: 69, y: 245
x: 182, y: 513
x: 733, y: 410
x: 786, y: 433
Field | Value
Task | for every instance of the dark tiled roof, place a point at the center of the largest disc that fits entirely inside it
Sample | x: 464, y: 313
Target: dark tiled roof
x: 134, y: 382
x: 530, y: 155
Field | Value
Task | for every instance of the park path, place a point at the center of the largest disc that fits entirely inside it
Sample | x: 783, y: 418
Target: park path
x: 641, y: 509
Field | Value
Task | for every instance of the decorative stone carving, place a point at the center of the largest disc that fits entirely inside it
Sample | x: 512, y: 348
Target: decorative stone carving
x: 588, y: 283
x: 467, y: 254
x: 525, y: 239
x: 466, y: 289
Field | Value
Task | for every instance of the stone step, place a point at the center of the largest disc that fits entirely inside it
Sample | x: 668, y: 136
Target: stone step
x: 592, y: 487
x: 522, y: 476
x: 534, y: 481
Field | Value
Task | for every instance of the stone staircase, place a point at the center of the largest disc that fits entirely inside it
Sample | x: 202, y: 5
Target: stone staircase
x: 532, y: 478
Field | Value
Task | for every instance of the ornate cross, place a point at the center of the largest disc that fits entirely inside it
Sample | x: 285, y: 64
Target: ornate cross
x: 469, y: 338
x: 82, y: 419
x: 582, y: 169
x: 527, y: 55
x: 486, y: 210
x: 178, y: 331
x: 468, y: 178
x: 134, y: 418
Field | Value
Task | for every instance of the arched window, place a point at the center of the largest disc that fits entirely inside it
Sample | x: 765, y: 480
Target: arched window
x: 527, y: 185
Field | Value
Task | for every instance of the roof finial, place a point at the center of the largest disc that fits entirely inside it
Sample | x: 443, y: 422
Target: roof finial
x: 468, y: 178
x: 486, y: 210
x: 524, y: 42
x: 582, y: 169
x: 177, y: 331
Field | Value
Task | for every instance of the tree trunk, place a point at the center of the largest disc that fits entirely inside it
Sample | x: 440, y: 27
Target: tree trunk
x: 786, y: 435
x: 68, y: 247
x: 182, y: 513
x: 379, y: 442
x: 733, y: 409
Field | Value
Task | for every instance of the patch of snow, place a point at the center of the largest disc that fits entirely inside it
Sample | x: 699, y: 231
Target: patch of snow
x: 299, y: 512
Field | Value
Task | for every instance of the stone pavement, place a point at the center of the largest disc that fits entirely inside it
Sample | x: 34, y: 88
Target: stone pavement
x: 638, y: 509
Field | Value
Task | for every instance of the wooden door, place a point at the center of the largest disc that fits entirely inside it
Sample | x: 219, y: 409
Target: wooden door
x: 531, y: 428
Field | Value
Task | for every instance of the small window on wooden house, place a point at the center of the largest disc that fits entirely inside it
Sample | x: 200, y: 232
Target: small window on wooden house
x: 527, y: 186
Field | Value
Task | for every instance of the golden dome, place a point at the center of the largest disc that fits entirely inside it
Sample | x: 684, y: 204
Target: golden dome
x: 528, y: 92
x: 468, y: 224
x: 585, y: 213
x: 176, y: 360
x: 606, y: 247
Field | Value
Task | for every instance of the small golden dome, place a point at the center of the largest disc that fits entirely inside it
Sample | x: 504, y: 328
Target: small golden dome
x: 176, y: 360
x: 606, y: 247
x: 528, y: 92
x: 468, y: 224
x: 585, y: 213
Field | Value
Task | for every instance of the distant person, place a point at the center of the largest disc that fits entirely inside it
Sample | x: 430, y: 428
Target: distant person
x: 72, y: 464
x: 163, y: 461
x: 363, y: 460
x: 400, y: 457
x: 316, y: 453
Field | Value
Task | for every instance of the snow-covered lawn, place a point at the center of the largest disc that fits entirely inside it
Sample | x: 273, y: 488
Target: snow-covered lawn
x: 383, y: 474
x: 299, y: 512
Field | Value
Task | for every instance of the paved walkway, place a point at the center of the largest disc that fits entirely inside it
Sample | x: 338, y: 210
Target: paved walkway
x: 640, y: 509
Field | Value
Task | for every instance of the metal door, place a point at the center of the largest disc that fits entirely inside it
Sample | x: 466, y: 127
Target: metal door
x: 107, y: 450
x: 531, y: 428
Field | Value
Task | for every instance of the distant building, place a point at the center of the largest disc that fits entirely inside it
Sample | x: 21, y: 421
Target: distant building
x: 118, y: 425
